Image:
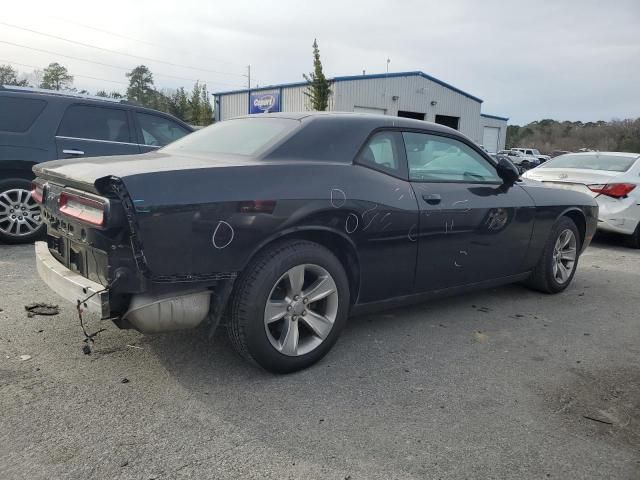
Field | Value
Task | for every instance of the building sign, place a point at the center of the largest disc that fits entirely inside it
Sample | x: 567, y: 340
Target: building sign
x: 264, y: 102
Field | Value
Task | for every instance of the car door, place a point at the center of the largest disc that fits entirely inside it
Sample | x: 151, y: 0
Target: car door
x: 472, y: 227
x: 155, y: 131
x: 90, y: 130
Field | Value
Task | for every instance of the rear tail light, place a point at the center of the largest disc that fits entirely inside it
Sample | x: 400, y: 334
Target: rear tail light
x: 84, y: 207
x: 615, y: 190
x: 38, y: 190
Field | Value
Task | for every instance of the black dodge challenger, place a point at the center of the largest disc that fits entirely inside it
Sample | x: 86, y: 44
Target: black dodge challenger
x: 283, y: 225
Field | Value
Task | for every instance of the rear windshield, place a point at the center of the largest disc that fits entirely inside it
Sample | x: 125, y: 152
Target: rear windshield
x: 595, y: 161
x: 18, y: 114
x: 244, y: 136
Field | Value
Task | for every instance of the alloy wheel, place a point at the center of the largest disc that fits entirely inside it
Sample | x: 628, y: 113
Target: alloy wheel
x: 564, y: 256
x: 19, y: 213
x: 301, y: 310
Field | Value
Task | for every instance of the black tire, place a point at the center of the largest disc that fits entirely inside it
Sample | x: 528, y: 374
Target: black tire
x: 12, y: 237
x: 542, y: 277
x: 634, y: 239
x: 252, y: 290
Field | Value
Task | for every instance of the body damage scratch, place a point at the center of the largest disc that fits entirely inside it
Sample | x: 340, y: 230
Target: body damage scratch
x: 222, y: 235
x: 464, y: 204
x: 351, y: 223
x: 411, y: 233
x: 337, y: 198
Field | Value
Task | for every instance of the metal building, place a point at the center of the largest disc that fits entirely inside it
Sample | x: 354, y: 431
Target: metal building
x: 404, y: 94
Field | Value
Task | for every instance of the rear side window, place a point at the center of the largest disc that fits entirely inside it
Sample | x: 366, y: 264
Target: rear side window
x: 159, y: 131
x: 381, y: 153
x: 18, y: 114
x: 95, y: 123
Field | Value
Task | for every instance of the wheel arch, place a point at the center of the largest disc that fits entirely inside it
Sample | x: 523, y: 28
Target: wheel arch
x: 17, y: 169
x: 339, y: 244
x: 579, y: 219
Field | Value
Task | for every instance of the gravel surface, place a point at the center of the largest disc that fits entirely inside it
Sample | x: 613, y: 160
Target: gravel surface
x: 503, y: 383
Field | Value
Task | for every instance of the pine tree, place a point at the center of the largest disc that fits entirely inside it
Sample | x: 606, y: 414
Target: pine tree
x: 318, y: 89
x: 141, y: 87
x: 206, y: 111
x: 56, y: 77
x: 195, y: 104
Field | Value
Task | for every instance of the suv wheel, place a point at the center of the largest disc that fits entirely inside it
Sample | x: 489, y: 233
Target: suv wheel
x: 559, y: 259
x: 19, y: 213
x: 289, y: 306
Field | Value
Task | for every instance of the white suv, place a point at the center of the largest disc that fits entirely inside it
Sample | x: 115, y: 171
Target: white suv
x: 533, y: 152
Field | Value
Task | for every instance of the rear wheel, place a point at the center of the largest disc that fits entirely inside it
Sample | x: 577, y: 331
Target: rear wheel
x: 19, y: 213
x: 557, y: 265
x: 289, y: 306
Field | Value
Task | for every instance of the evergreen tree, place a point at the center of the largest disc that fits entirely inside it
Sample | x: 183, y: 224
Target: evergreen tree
x: 195, y: 104
x: 56, y: 77
x: 318, y: 89
x: 141, y: 87
x: 206, y: 111
x: 9, y: 76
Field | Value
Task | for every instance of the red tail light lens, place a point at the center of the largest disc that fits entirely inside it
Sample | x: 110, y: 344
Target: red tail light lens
x: 38, y: 190
x: 84, y: 207
x: 615, y: 190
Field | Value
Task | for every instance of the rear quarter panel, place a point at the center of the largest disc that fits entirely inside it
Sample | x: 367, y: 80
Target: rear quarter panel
x: 191, y: 221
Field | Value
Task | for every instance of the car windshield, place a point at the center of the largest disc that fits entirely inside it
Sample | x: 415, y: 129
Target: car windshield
x: 595, y: 161
x: 243, y: 136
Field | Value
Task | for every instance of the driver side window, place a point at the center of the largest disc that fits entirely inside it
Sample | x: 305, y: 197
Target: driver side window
x: 432, y: 158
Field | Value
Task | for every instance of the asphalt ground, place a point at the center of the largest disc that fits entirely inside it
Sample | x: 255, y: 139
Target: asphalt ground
x: 502, y: 383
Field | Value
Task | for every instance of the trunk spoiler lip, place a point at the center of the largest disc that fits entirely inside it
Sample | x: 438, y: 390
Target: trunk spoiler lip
x: 67, y: 181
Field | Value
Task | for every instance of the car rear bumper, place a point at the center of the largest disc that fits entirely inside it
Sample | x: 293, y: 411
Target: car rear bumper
x: 71, y: 285
x: 620, y: 216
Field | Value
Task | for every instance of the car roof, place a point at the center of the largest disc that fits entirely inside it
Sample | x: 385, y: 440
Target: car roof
x: 613, y: 154
x: 360, y: 118
x: 89, y: 99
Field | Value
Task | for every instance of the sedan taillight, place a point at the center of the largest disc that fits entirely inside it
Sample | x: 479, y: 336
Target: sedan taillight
x: 38, y: 190
x: 615, y: 190
x: 84, y: 207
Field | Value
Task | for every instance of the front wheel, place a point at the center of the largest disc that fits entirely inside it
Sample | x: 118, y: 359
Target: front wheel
x: 289, y: 306
x: 557, y: 265
x: 19, y: 213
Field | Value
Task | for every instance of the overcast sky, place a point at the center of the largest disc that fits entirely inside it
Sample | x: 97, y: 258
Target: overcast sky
x: 568, y: 60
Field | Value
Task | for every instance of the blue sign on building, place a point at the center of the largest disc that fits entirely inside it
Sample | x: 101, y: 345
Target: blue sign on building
x: 264, y: 102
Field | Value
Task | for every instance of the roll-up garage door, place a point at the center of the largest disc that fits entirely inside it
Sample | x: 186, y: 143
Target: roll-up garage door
x: 490, y: 138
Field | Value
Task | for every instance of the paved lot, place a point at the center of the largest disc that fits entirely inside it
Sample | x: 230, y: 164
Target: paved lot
x: 495, y: 384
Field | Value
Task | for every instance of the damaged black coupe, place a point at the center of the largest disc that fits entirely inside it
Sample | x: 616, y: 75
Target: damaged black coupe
x: 280, y: 226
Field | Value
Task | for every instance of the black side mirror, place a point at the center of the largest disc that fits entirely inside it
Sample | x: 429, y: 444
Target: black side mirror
x: 507, y: 171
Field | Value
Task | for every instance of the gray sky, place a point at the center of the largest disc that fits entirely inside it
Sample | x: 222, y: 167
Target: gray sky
x: 568, y: 60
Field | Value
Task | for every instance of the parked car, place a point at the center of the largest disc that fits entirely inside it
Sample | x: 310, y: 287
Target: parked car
x: 288, y: 223
x: 520, y: 160
x: 612, y: 178
x: 39, y: 125
x: 533, y: 152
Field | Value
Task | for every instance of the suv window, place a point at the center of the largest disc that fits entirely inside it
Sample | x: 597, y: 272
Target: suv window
x: 433, y: 158
x: 381, y: 153
x: 159, y: 131
x: 95, y: 123
x: 18, y: 114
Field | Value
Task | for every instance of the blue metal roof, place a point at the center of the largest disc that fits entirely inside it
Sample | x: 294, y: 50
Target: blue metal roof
x: 360, y: 77
x: 495, y: 117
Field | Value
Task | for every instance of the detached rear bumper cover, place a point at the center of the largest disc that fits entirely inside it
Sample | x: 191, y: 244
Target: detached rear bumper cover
x: 71, y: 285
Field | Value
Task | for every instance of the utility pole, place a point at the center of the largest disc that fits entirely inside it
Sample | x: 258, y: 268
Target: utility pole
x: 248, y: 88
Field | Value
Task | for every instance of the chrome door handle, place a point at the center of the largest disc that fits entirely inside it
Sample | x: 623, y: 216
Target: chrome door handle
x: 73, y: 152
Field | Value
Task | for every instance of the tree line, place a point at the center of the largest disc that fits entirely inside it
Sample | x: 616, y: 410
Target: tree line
x: 193, y: 107
x: 549, y: 135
